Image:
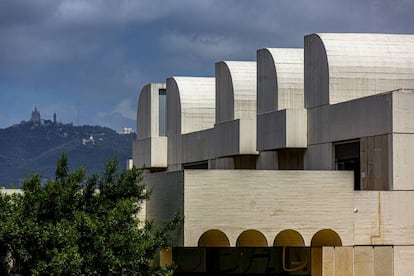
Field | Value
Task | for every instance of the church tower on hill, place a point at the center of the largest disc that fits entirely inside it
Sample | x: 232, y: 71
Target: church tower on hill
x: 35, y: 118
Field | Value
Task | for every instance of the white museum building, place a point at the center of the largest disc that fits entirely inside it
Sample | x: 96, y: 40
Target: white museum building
x: 298, y: 163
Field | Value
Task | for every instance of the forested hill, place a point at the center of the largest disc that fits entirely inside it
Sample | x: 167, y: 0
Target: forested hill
x: 27, y: 148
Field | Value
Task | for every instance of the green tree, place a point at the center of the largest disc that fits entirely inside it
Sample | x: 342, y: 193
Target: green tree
x: 79, y: 225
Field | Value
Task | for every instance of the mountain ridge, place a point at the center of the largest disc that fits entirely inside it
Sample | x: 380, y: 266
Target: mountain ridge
x: 29, y: 147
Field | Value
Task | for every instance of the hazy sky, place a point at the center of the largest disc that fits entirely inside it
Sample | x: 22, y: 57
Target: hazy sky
x: 91, y: 57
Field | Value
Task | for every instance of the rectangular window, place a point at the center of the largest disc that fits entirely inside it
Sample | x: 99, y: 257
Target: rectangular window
x: 162, y: 108
x: 347, y: 157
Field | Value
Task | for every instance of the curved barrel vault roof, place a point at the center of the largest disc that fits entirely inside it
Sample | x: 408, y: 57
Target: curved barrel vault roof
x: 190, y: 104
x: 235, y: 90
x: 279, y: 79
x: 281, y: 117
x: 341, y: 67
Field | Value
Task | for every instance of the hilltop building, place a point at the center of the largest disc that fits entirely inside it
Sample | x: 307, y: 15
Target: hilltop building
x: 35, y: 118
x: 126, y: 130
x: 298, y: 163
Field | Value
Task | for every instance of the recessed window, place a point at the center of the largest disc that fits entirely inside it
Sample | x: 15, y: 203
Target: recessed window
x: 347, y: 157
x: 203, y: 165
x: 162, y: 109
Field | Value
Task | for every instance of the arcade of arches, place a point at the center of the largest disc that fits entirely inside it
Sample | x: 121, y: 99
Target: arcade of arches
x: 252, y: 253
x: 254, y: 238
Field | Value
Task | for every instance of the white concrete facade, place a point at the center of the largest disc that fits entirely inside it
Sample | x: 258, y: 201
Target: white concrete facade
x: 295, y: 119
x: 150, y: 149
x: 342, y: 67
x: 235, y: 126
x: 190, y: 108
x: 281, y: 115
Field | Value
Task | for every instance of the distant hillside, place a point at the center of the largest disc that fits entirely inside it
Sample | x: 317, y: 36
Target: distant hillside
x: 27, y: 148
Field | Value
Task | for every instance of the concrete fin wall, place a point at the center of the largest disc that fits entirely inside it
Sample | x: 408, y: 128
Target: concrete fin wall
x: 282, y: 129
x: 197, y: 146
x: 279, y: 79
x: 316, y: 78
x: 190, y: 108
x: 190, y: 104
x: 281, y: 118
x: 235, y: 128
x: 148, y: 111
x: 149, y: 149
x: 367, y: 116
x: 235, y: 90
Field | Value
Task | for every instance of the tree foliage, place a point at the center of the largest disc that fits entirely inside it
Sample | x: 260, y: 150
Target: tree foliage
x: 79, y: 225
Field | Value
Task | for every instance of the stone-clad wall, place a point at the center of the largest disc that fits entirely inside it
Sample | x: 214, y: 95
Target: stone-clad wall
x: 271, y: 201
x: 166, y: 198
x: 268, y: 201
x: 384, y: 218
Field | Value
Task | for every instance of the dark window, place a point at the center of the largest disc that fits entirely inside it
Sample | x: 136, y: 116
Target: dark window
x: 347, y: 157
x: 162, y: 101
x: 203, y: 165
x: 290, y: 159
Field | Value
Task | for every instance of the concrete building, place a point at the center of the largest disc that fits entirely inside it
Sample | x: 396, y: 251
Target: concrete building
x: 298, y: 163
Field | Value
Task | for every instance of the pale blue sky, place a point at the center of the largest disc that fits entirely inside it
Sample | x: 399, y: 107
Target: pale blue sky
x: 59, y: 55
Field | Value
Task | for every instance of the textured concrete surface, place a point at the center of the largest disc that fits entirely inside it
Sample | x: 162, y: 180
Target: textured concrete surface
x: 342, y: 67
x: 235, y: 90
x: 279, y: 79
x: 292, y: 108
x: 190, y: 108
x: 149, y: 149
x: 245, y: 203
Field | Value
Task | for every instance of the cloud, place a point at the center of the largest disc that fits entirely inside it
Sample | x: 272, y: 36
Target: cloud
x: 112, y: 120
x: 102, y: 52
x: 20, y: 12
x: 202, y: 46
x: 108, y: 12
x: 55, y: 31
x: 39, y: 48
x: 126, y: 109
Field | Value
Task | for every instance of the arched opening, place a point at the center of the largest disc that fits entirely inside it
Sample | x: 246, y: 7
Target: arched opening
x: 251, y: 238
x: 326, y: 237
x: 289, y: 237
x: 213, y: 238
x: 295, y: 258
